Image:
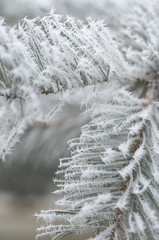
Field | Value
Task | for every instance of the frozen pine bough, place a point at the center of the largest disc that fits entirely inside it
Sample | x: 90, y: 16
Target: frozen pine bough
x: 110, y: 182
x: 109, y: 185
x: 46, y: 56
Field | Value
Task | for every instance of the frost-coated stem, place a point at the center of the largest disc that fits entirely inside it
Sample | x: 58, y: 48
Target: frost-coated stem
x: 135, y: 145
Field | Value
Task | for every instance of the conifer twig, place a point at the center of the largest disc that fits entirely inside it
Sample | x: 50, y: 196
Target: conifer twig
x: 135, y: 145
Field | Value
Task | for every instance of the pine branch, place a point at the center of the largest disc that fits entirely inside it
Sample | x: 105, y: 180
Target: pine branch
x: 134, y: 147
x: 46, y: 56
x: 139, y: 38
x: 107, y: 179
x: 110, y: 182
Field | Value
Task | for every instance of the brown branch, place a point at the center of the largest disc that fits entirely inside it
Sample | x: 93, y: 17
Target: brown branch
x: 118, y: 212
x: 46, y: 92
